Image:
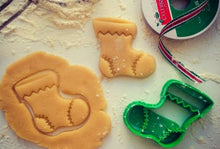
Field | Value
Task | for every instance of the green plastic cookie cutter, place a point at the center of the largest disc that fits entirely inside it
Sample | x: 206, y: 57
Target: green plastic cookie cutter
x: 166, y: 122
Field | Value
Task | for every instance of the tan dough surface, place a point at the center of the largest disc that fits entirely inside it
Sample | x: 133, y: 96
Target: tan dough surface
x: 30, y: 95
x: 117, y: 55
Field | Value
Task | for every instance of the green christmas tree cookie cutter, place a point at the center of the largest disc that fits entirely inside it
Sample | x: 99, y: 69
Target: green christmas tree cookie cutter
x: 166, y: 122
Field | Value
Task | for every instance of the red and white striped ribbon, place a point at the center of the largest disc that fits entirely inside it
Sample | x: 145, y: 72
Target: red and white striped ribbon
x: 172, y: 25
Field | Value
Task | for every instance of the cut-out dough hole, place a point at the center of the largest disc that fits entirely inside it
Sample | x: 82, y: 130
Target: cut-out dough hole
x: 52, y: 113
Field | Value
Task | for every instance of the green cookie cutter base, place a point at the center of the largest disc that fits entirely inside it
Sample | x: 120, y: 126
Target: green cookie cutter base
x: 146, y: 120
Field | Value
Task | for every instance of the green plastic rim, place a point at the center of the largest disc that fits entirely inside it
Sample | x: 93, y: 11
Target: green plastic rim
x: 146, y: 121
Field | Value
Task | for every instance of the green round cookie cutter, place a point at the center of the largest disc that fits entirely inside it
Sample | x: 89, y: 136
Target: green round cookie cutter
x: 167, y: 121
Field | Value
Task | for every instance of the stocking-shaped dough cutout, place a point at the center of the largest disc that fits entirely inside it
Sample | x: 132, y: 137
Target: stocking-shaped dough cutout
x: 117, y: 54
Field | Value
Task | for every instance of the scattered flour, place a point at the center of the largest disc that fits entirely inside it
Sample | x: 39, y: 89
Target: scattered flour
x: 201, y: 140
x: 38, y: 20
x: 74, y: 14
x: 148, y: 32
x: 121, y: 5
x: 212, y: 77
x: 5, y: 140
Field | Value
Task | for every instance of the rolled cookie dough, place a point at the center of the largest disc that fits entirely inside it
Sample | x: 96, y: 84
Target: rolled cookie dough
x: 30, y: 96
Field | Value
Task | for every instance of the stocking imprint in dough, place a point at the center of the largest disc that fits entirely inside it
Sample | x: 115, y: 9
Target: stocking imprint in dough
x: 31, y: 96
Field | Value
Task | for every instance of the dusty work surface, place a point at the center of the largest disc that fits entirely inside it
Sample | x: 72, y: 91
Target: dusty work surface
x: 42, y: 28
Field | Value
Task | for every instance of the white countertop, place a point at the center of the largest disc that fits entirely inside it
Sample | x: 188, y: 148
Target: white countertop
x: 79, y: 46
